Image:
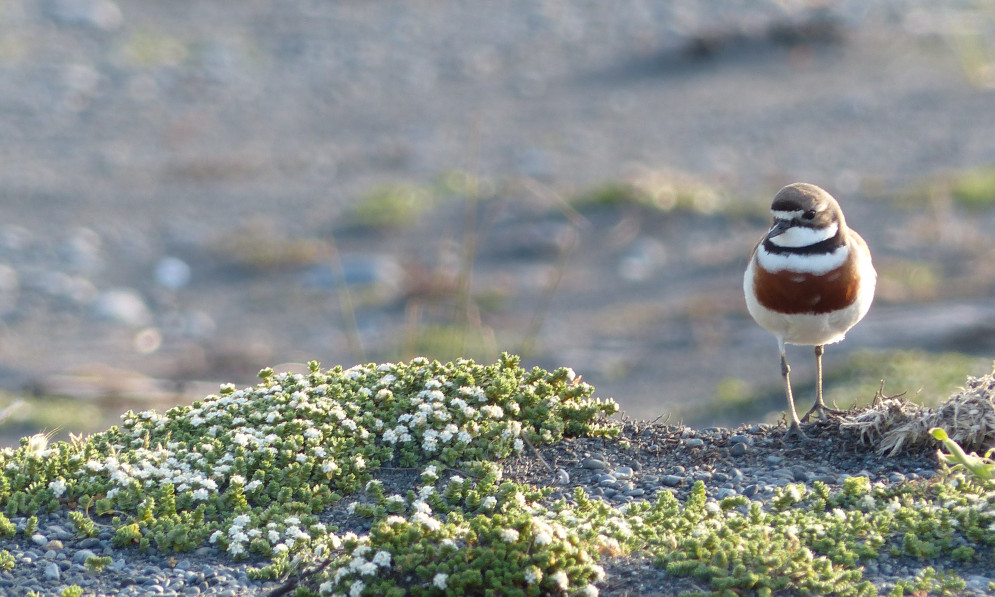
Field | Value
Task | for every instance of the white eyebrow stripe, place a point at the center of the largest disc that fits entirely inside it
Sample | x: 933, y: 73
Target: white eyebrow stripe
x: 800, y: 236
x: 786, y: 215
x: 816, y: 264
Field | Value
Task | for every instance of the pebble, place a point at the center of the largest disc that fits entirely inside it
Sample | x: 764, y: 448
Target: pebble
x: 52, y: 571
x: 172, y: 273
x: 122, y: 305
x: 54, y: 545
x: 694, y: 442
x: 738, y: 449
x: 39, y: 539
x: 594, y: 464
x: 672, y: 480
x: 623, y: 472
x: 81, y: 556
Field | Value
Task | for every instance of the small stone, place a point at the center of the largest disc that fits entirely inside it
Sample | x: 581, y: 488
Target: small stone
x: 594, y: 464
x: 635, y: 492
x: 90, y: 543
x: 52, y: 571
x: 739, y: 439
x: 694, y: 442
x: 623, y: 472
x: 183, y: 564
x: 737, y: 449
x: 720, y: 477
x: 172, y: 273
x: 39, y: 539
x: 54, y: 545
x: 672, y: 480
x: 725, y: 493
x: 751, y: 490
x: 122, y: 305
x: 80, y: 556
x: 801, y: 475
x: 896, y: 477
x: 774, y: 459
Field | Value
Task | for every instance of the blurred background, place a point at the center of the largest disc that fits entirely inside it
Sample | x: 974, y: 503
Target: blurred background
x: 194, y: 190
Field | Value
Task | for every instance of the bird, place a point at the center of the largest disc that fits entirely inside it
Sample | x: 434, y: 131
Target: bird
x: 810, y: 279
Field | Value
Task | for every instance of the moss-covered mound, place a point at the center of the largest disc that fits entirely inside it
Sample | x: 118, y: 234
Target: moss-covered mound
x: 259, y: 473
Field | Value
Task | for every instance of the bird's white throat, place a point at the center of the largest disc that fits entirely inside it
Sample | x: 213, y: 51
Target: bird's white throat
x: 816, y: 263
x: 800, y: 236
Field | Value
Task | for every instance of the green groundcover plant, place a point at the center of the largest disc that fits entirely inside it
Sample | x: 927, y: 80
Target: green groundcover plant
x: 253, y: 471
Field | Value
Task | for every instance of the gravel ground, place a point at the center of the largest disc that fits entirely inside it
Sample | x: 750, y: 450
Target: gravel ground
x: 148, y: 149
x: 648, y: 458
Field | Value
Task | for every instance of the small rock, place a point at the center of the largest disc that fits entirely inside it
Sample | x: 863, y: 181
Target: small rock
x: 694, y: 442
x: 751, y: 490
x: 623, y: 472
x: 80, y: 556
x: 724, y: 493
x: 39, y: 539
x: 122, y: 305
x: 54, y: 545
x: 172, y: 273
x: 739, y: 439
x: 896, y: 477
x: 594, y: 464
x: 672, y: 480
x: 774, y: 459
x: 737, y: 449
x: 52, y: 571
x: 90, y: 543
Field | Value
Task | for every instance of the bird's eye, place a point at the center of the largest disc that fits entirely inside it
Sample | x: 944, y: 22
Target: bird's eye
x: 810, y: 214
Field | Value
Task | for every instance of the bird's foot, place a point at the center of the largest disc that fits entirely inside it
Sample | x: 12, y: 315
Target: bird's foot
x: 822, y: 412
x: 795, y: 432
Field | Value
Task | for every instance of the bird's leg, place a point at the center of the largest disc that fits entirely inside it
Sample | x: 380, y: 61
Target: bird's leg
x: 820, y: 406
x: 795, y: 428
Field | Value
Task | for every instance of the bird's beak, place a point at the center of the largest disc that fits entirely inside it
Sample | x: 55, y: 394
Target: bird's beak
x: 779, y: 228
